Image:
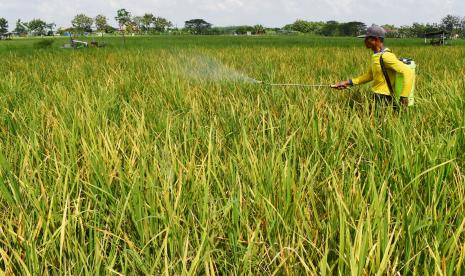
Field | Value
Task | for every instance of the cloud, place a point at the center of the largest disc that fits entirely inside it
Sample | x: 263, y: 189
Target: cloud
x: 273, y: 13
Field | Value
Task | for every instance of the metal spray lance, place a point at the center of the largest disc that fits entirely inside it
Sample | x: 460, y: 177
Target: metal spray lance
x: 294, y: 84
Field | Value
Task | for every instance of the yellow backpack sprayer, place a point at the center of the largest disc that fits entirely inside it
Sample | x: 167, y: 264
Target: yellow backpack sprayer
x: 399, y: 80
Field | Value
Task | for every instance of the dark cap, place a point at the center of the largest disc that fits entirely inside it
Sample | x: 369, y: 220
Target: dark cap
x: 374, y: 31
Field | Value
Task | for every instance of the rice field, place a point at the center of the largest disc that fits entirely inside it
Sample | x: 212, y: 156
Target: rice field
x: 161, y: 157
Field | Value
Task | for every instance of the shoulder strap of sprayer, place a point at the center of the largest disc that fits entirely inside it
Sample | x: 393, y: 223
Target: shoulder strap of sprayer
x: 385, y: 73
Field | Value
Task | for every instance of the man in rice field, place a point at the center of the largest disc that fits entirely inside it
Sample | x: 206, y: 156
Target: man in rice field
x: 383, y: 90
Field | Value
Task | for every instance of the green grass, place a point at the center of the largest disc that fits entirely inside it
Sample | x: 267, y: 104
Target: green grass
x: 119, y: 160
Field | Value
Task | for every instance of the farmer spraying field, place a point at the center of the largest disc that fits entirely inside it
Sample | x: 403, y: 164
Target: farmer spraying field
x: 393, y: 79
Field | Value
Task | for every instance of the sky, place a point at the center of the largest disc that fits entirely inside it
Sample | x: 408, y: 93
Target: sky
x: 270, y: 13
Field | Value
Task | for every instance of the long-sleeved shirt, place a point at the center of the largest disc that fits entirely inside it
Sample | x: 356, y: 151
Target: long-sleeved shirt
x: 393, y: 66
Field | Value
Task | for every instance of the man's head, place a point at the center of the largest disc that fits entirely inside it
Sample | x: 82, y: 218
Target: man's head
x: 374, y: 43
x: 374, y: 37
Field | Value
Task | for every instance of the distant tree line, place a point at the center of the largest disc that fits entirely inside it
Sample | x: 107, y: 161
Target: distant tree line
x: 201, y: 27
x: 455, y: 25
x: 329, y: 28
x: 149, y: 23
x: 145, y: 24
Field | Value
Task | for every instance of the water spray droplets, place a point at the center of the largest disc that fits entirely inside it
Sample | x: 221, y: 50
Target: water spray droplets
x: 210, y: 69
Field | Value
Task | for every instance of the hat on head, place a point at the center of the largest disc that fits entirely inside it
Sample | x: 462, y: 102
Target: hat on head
x: 374, y: 31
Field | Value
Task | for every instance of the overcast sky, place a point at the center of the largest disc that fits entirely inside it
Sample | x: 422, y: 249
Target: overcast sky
x: 271, y: 13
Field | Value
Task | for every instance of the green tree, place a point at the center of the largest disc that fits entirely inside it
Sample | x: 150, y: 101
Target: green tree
x: 49, y: 27
x: 21, y: 28
x: 417, y: 30
x: 353, y: 28
x: 462, y: 28
x: 451, y: 23
x: 82, y: 23
x: 429, y: 28
x: 405, y: 31
x: 38, y: 27
x: 161, y: 24
x: 258, y: 30
x: 197, y: 26
x: 101, y: 23
x: 110, y: 29
x: 138, y: 24
x: 242, y: 30
x: 132, y: 27
x: 301, y: 26
x: 123, y: 17
x: 331, y: 28
x: 3, y: 26
x: 147, y: 21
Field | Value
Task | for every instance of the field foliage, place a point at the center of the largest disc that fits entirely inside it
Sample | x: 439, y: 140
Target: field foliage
x: 159, y: 157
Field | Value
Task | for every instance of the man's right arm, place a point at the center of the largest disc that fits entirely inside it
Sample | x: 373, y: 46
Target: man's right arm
x: 367, y: 77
